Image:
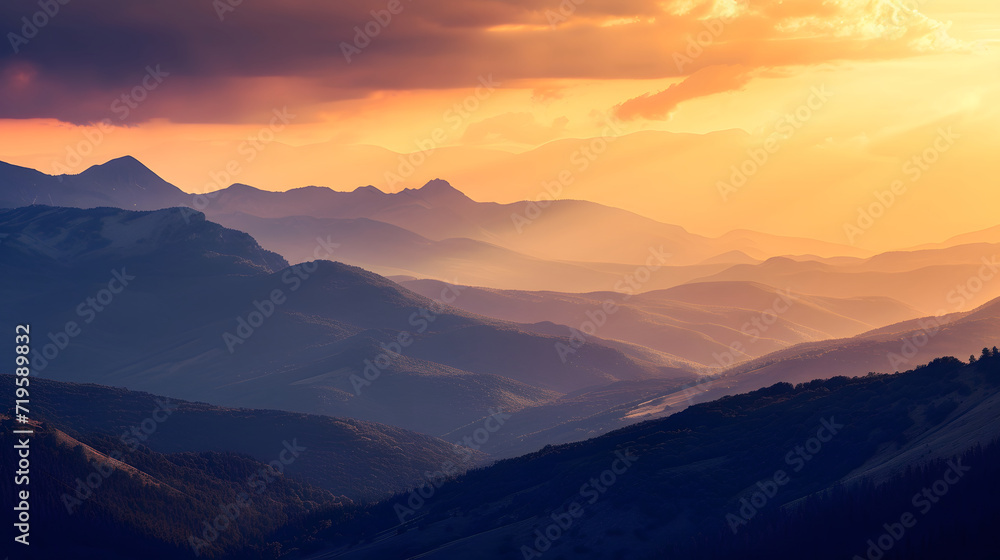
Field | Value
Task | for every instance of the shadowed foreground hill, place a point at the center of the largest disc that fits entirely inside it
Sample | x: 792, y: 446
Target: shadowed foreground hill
x: 101, y: 500
x: 350, y: 458
x: 677, y: 485
x: 117, y: 474
x: 674, y: 486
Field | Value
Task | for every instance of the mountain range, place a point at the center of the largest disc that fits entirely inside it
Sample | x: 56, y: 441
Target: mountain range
x: 437, y: 212
x: 437, y: 232
x: 206, y: 314
x: 407, y: 341
x: 488, y: 349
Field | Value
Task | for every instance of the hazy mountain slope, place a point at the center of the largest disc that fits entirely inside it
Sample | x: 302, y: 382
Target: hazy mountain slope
x: 888, y: 349
x: 201, y: 320
x: 573, y: 417
x: 763, y: 245
x: 988, y: 235
x: 391, y: 250
x: 931, y: 288
x: 977, y: 254
x: 700, y: 322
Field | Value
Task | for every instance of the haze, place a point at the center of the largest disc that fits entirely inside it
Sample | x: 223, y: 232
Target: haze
x: 465, y: 93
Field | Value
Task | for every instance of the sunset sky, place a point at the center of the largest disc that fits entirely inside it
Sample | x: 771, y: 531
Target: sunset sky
x: 682, y: 91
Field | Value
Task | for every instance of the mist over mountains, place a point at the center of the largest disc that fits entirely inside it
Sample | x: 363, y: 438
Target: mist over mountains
x: 438, y: 220
x: 225, y: 321
x: 421, y: 340
x: 438, y: 232
x: 645, y: 280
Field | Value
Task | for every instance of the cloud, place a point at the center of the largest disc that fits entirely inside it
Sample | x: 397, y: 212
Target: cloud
x: 266, y: 54
x: 547, y: 94
x: 706, y: 81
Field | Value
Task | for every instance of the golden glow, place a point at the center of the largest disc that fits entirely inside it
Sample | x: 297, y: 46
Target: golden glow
x: 896, y: 76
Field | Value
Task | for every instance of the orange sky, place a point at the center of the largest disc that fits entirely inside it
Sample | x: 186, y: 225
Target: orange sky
x: 893, y: 78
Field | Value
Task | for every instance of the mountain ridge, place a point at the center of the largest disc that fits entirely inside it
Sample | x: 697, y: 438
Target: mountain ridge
x: 162, y: 193
x: 304, y: 338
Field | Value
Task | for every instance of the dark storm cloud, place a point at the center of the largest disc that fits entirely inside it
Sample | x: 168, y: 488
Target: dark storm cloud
x: 234, y: 63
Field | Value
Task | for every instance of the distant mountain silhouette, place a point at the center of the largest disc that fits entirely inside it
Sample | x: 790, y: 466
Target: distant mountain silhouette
x: 928, y: 280
x: 438, y: 232
x: 988, y: 235
x: 122, y: 183
x: 437, y: 211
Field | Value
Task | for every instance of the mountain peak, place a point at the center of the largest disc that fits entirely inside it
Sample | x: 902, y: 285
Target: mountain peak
x: 242, y: 188
x: 121, y: 164
x: 437, y: 188
x: 125, y: 160
x: 438, y: 185
x: 124, y: 172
